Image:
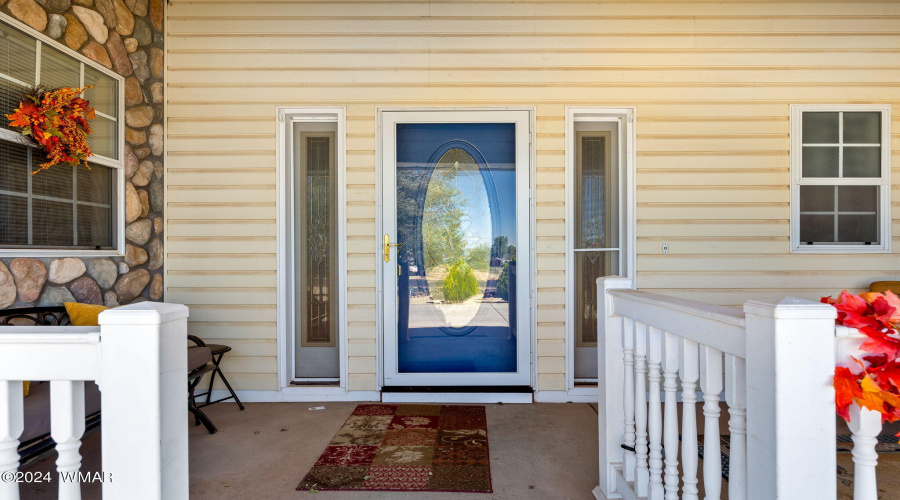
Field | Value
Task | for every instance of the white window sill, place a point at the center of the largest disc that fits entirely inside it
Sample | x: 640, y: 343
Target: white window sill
x: 48, y: 253
x: 842, y: 249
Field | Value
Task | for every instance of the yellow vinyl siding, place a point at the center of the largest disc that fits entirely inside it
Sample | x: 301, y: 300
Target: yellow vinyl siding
x: 712, y: 83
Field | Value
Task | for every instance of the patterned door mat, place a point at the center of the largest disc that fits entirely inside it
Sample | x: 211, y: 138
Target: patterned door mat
x: 886, y: 444
x: 389, y: 447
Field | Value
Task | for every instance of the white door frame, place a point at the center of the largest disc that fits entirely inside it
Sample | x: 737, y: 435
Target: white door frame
x: 625, y: 117
x: 386, y: 119
x: 286, y: 116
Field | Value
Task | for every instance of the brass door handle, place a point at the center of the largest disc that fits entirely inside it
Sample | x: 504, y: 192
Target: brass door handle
x: 387, y: 247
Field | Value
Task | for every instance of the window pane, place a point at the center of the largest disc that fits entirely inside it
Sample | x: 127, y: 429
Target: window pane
x: 596, y: 191
x: 17, y: 54
x: 862, y: 161
x: 315, y: 234
x: 93, y: 184
x: 58, y: 69
x: 816, y: 228
x: 862, y: 128
x: 103, y: 96
x: 820, y: 128
x: 10, y: 97
x: 858, y: 228
x: 102, y: 138
x: 817, y: 198
x: 820, y: 161
x: 13, y: 220
x: 55, y: 181
x: 52, y: 223
x: 858, y: 198
x: 94, y: 226
x: 588, y: 267
x: 13, y: 167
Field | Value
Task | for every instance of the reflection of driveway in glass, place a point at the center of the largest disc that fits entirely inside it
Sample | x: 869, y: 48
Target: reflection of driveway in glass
x: 483, y: 344
x: 471, y: 313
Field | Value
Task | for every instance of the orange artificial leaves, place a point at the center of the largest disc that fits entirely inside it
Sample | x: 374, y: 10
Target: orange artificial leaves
x: 58, y: 121
x: 877, y: 385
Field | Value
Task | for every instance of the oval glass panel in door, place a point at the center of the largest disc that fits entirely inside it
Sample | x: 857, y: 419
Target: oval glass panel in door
x: 456, y: 236
x: 457, y: 267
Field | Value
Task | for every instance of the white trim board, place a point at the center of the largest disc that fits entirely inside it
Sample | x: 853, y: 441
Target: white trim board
x: 296, y: 395
x: 625, y: 117
x: 564, y: 397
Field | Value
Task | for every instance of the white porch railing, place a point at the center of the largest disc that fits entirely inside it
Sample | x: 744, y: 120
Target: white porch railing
x: 774, y: 363
x: 138, y: 357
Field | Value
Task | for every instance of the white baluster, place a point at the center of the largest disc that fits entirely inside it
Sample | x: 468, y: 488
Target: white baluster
x: 711, y: 385
x: 641, y: 473
x: 66, y: 428
x: 689, y: 372
x: 865, y: 425
x: 670, y: 432
x: 628, y: 391
x: 736, y: 395
x: 654, y: 423
x: 12, y: 423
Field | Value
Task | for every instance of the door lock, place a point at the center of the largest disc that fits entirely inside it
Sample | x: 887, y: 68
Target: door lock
x: 387, y: 247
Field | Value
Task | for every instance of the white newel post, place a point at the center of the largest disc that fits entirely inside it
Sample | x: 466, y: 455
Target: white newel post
x: 144, y: 401
x: 611, y: 368
x: 790, y: 400
x: 12, y: 423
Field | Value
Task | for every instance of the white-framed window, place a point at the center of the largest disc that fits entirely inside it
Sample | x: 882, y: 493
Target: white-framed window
x: 66, y: 209
x: 841, y: 178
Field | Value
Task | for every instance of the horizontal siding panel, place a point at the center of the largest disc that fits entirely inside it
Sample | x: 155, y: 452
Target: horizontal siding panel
x: 226, y: 228
x: 221, y: 279
x: 212, y: 295
x: 765, y: 280
x: 232, y: 314
x: 214, y: 194
x: 713, y: 228
x: 540, y: 59
x: 217, y: 261
x: 870, y: 265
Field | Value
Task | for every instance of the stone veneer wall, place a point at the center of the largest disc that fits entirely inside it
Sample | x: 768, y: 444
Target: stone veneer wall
x: 126, y: 36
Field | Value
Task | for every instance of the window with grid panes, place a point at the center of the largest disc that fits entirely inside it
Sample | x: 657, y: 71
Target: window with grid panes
x: 841, y: 171
x: 65, y: 207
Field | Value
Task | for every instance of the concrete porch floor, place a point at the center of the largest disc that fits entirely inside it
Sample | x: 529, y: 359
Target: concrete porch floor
x: 537, y: 451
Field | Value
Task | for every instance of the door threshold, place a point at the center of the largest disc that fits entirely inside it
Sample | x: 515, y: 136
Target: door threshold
x: 466, y: 394
x: 519, y: 389
x: 456, y: 397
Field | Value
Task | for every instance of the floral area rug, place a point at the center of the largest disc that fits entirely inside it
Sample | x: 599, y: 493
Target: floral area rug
x: 389, y: 447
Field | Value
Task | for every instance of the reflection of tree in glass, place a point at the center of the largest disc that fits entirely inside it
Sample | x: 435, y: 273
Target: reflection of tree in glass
x: 503, y: 280
x: 479, y: 258
x: 442, y: 235
x: 460, y: 283
x: 498, y: 249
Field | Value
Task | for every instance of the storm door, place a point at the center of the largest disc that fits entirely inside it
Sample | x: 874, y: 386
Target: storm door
x: 455, y: 248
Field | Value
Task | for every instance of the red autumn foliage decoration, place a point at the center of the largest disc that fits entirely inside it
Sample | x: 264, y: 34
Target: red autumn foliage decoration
x: 57, y: 119
x: 876, y: 385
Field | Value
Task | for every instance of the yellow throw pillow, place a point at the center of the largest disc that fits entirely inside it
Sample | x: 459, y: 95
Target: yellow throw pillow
x: 84, y: 314
x: 26, y: 387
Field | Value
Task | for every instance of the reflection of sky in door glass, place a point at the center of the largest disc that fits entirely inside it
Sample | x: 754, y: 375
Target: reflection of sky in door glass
x: 456, y: 221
